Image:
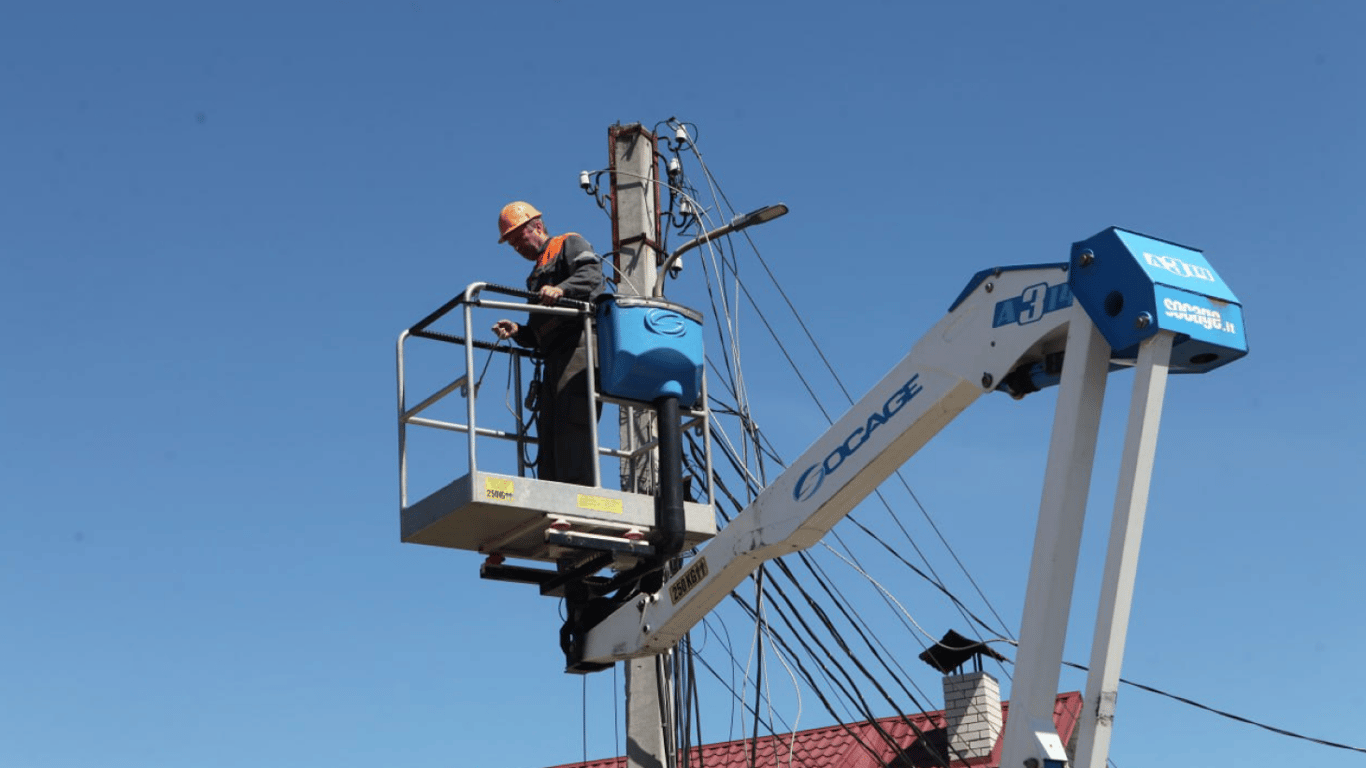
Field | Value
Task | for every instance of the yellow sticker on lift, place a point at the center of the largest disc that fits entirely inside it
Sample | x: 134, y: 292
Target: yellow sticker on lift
x: 599, y: 504
x: 690, y: 578
x: 498, y: 488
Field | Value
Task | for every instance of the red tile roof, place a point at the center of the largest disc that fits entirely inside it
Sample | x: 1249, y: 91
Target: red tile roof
x: 921, y: 739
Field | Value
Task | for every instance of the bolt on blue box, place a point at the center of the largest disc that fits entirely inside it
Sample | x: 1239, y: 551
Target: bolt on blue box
x: 649, y: 348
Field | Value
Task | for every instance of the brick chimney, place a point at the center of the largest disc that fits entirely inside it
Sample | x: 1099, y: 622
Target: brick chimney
x: 972, y: 714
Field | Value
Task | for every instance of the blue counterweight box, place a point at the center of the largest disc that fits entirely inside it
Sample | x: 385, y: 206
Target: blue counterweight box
x: 649, y: 348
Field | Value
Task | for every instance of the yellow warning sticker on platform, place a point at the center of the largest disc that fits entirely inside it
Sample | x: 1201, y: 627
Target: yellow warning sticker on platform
x: 599, y: 504
x: 498, y: 488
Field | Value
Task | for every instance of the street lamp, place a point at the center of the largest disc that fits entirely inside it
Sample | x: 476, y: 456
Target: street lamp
x: 767, y: 213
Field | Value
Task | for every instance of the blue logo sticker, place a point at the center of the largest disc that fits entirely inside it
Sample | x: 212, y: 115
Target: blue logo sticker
x: 665, y: 322
x: 1032, y: 304
x: 1205, y: 317
x: 1180, y: 267
x: 814, y: 476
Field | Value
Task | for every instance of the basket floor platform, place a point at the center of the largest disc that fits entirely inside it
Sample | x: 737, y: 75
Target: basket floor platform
x: 541, y: 520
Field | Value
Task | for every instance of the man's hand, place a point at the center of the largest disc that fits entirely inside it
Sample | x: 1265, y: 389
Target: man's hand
x: 505, y: 328
x: 551, y: 294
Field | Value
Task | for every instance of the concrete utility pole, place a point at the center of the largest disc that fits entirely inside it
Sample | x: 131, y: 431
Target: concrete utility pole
x: 635, y: 238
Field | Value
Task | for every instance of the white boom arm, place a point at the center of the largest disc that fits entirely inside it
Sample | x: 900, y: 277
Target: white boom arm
x: 1004, y: 320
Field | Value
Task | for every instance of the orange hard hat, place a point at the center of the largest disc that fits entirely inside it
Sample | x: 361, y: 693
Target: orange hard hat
x: 513, y: 216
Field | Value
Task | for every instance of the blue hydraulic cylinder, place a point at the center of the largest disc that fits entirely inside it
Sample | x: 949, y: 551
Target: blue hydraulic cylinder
x: 649, y: 348
x: 1133, y: 286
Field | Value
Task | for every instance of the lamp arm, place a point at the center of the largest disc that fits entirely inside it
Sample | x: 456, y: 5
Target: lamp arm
x: 688, y: 246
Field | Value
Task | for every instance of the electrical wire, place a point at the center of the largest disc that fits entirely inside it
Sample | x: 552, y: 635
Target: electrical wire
x: 834, y: 374
x: 782, y: 348
x: 792, y: 736
x: 747, y: 424
x: 917, y: 705
x: 815, y: 686
x: 724, y: 271
x: 811, y: 682
x: 849, y: 687
x: 862, y: 627
x: 728, y: 685
x: 750, y: 483
x: 840, y: 602
x: 892, y: 597
x: 1230, y: 715
x: 759, y: 651
x: 935, y: 580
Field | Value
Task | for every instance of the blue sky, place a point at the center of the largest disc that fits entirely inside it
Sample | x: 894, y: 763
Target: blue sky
x: 216, y: 218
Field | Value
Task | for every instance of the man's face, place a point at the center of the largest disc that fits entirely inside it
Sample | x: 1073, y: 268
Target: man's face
x: 528, y: 239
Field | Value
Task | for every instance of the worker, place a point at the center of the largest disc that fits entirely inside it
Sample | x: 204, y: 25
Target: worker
x: 565, y: 267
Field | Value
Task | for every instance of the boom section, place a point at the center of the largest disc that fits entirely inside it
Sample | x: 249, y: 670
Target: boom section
x: 1006, y: 321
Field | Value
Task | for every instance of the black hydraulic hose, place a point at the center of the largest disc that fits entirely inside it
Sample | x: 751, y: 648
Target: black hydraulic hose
x: 669, y: 513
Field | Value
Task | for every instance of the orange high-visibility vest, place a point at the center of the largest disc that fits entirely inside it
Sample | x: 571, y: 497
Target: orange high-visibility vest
x: 553, y: 248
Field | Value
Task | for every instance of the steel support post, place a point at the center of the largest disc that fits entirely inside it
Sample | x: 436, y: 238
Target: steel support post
x: 1030, y: 731
x: 470, y: 407
x: 1121, y: 559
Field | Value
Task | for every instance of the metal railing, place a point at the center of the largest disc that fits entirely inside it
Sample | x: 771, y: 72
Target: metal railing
x: 467, y: 301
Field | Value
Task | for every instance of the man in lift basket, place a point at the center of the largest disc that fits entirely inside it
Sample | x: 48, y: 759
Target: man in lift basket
x: 565, y: 266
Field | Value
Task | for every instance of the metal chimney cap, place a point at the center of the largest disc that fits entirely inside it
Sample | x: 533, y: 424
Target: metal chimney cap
x: 954, y: 650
